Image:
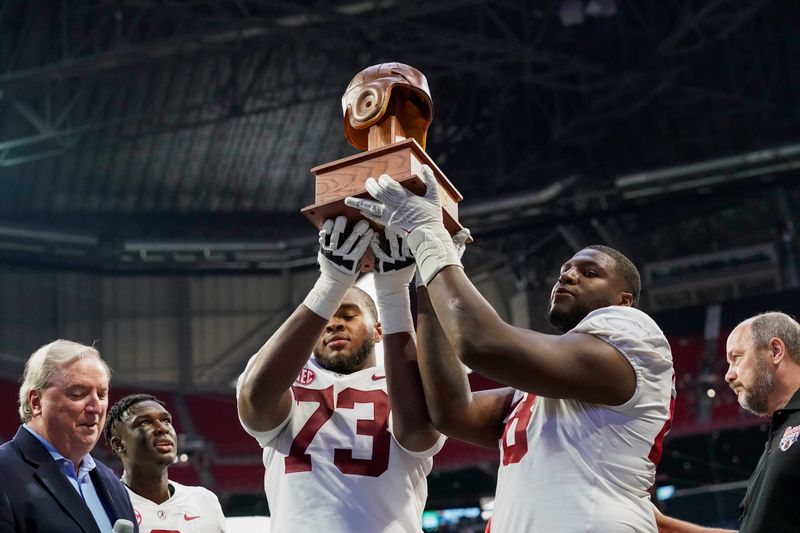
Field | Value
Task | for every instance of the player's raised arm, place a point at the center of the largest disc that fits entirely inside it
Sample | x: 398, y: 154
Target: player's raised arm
x: 263, y: 396
x: 575, y: 365
x: 394, y: 270
x: 454, y: 409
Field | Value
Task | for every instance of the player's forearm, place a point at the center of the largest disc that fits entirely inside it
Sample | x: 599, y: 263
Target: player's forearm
x: 447, y: 390
x: 469, y: 321
x: 412, y: 425
x: 667, y: 524
x: 556, y: 366
x: 278, y: 362
x: 483, y: 341
x: 445, y: 383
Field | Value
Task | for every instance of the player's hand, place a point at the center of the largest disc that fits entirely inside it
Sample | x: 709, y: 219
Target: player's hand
x: 394, y: 270
x: 397, y: 208
x: 338, y: 258
x: 340, y: 251
x: 418, y: 217
x: 391, y: 252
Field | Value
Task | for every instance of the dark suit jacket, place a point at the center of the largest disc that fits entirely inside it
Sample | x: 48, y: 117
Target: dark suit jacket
x: 36, y: 496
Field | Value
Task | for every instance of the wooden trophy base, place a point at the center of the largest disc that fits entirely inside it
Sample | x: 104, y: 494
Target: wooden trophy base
x: 347, y: 177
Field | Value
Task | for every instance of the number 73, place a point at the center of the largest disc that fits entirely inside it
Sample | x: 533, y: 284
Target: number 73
x: 377, y: 428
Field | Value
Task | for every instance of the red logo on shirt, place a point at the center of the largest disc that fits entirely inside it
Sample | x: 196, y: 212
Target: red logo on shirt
x: 138, y: 518
x: 305, y: 376
x: 187, y: 517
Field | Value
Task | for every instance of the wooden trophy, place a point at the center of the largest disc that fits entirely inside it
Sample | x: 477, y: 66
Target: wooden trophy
x: 387, y: 110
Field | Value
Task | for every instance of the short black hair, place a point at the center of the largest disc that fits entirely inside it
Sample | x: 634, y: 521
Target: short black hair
x: 117, y: 411
x: 625, y: 268
x: 368, y: 302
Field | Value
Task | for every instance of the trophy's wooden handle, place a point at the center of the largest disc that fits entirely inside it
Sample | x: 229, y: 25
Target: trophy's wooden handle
x: 386, y: 132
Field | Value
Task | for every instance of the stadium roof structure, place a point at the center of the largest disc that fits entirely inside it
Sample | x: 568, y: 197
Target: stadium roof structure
x: 140, y: 135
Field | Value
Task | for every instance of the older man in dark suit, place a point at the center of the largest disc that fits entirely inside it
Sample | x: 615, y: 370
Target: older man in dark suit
x: 49, y: 481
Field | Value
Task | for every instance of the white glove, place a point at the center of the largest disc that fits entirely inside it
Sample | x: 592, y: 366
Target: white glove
x: 338, y: 264
x: 397, y: 208
x: 394, y: 269
x: 459, y: 241
x: 419, y: 217
x: 391, y: 253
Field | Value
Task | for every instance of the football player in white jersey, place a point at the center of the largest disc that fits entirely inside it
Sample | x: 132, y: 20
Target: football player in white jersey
x: 581, y: 425
x: 337, y: 458
x: 140, y: 432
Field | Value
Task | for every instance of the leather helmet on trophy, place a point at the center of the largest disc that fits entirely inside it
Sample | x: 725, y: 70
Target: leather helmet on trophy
x: 387, y: 110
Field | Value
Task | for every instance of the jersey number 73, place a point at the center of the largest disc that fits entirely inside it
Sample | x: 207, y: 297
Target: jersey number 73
x: 377, y: 428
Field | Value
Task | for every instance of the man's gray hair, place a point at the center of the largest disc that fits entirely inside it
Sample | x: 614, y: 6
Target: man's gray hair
x: 773, y: 324
x: 44, y: 363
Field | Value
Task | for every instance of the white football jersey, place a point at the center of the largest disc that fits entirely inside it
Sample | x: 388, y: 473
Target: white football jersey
x: 334, y: 465
x: 575, y: 467
x: 188, y: 510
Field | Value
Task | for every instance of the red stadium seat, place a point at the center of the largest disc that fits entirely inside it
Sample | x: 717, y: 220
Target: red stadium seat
x: 217, y: 421
x: 246, y: 477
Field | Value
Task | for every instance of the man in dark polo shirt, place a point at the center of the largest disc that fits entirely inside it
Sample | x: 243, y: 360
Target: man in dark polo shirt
x: 763, y: 354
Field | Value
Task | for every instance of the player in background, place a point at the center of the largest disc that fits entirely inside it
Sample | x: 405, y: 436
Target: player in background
x: 347, y: 445
x: 140, y: 432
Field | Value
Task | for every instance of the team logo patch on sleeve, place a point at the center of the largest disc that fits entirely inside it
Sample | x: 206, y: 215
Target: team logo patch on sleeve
x: 305, y: 376
x: 789, y: 437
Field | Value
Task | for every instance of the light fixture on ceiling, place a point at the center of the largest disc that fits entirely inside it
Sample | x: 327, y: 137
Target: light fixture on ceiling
x: 574, y: 12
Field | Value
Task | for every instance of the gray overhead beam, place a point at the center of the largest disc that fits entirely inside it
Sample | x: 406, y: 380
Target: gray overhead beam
x: 722, y: 164
x: 164, y: 126
x: 247, y: 29
x: 727, y: 21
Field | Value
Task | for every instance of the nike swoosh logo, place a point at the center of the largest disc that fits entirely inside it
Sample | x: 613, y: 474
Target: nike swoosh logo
x: 376, y: 377
x: 187, y: 517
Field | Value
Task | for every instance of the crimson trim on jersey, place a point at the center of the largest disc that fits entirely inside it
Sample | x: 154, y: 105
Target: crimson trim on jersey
x: 658, y: 445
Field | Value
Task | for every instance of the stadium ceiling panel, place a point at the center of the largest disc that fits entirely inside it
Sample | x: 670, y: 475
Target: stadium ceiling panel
x: 661, y: 128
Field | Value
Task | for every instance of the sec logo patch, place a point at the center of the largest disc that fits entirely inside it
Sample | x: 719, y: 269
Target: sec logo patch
x: 305, y: 376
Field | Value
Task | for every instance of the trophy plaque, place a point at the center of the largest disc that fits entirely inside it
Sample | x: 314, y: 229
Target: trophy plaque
x: 387, y: 110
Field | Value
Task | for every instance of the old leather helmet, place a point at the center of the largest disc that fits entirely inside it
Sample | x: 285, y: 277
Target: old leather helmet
x: 367, y: 98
